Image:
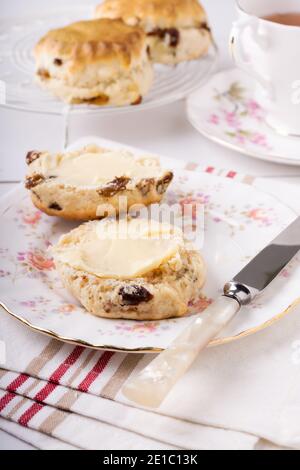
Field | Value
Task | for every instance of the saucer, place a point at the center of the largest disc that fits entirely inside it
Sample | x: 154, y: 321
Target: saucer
x: 225, y: 111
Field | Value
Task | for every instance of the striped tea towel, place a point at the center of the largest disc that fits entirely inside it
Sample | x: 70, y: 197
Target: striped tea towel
x: 63, y: 388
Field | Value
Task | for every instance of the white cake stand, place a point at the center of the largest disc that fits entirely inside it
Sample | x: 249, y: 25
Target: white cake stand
x: 19, y: 91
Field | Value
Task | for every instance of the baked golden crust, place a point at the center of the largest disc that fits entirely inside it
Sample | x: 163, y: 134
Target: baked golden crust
x: 85, y: 42
x: 177, y: 30
x: 100, y: 62
x: 154, y: 13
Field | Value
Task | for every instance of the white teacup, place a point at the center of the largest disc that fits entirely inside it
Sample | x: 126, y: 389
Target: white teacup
x: 270, y: 52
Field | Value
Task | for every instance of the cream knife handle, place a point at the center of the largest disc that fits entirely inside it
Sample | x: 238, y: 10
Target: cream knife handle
x: 153, y: 383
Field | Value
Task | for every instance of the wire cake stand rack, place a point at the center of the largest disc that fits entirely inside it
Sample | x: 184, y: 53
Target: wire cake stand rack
x: 19, y: 91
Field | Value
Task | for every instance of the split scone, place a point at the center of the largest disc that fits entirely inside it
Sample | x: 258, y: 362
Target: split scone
x: 103, y: 62
x: 177, y: 30
x: 87, y: 184
x: 132, y: 268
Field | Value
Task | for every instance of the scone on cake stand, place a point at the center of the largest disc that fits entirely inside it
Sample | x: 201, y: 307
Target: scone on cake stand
x: 136, y: 269
x: 177, y: 30
x: 102, y: 62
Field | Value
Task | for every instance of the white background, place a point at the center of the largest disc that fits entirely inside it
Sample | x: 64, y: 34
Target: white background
x: 164, y: 130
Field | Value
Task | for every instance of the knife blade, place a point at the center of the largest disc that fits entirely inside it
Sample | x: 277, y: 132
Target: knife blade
x: 152, y: 384
x: 265, y: 266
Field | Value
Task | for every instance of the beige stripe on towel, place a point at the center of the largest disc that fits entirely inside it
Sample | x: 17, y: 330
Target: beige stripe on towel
x: 37, y: 364
x: 115, y: 383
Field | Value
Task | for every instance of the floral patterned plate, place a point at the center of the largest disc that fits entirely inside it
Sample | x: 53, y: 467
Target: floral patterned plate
x: 225, y: 111
x: 239, y: 221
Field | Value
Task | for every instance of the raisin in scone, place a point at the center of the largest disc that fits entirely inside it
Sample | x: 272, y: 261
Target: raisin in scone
x: 88, y: 183
x: 103, y: 62
x: 177, y: 30
x: 131, y: 269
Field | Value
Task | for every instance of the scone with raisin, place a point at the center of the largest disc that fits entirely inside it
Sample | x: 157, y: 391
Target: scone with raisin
x: 103, y: 62
x: 131, y: 268
x: 177, y: 30
x: 87, y: 184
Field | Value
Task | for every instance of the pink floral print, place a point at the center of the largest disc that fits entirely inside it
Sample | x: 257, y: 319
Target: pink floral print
x: 234, y: 108
x: 36, y: 260
x: 33, y: 218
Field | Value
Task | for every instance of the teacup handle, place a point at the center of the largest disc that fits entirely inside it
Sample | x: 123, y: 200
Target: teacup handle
x: 239, y: 55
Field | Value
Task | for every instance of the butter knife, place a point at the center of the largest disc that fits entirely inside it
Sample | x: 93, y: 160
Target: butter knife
x: 153, y: 383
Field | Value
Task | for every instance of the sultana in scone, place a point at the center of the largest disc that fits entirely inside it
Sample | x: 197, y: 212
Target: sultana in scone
x: 177, y: 30
x: 103, y: 62
x: 144, y: 277
x: 87, y: 184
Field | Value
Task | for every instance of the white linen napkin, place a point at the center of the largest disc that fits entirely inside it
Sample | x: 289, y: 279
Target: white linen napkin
x: 79, y: 387
x: 36, y: 439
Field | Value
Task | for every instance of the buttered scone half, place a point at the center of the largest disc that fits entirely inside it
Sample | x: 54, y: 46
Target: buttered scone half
x: 93, y: 182
x: 103, y: 62
x: 131, y: 268
x: 177, y: 30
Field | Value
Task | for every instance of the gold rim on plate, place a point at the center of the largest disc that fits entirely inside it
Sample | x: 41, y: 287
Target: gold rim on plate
x: 213, y: 343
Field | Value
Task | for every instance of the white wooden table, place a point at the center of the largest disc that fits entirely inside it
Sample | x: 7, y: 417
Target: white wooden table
x: 164, y: 131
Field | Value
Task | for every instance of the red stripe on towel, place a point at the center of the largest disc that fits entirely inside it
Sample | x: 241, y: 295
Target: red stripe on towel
x: 29, y: 414
x: 17, y: 382
x: 210, y: 169
x: 45, y: 392
x: 58, y: 374
x: 68, y: 362
x: 96, y: 371
x: 6, y: 399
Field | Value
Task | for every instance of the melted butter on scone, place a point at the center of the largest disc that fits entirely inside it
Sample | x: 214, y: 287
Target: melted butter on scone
x: 96, y: 168
x: 125, y: 249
